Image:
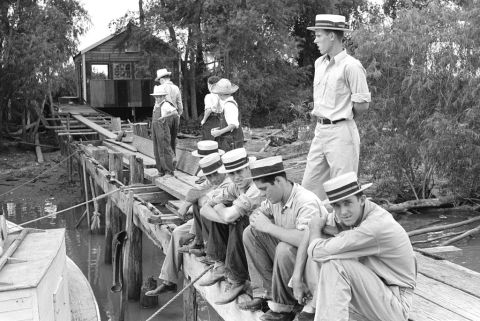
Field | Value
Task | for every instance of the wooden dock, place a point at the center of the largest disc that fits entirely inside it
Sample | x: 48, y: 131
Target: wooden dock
x: 445, y: 291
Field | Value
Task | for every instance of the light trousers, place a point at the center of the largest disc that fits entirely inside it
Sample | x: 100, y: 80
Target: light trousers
x: 335, y: 150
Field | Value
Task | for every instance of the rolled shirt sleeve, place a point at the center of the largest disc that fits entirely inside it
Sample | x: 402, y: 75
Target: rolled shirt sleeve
x: 230, y: 111
x: 357, y: 80
x: 306, y: 212
x: 249, y: 201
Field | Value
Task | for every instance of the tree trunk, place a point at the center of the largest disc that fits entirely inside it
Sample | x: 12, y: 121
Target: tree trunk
x: 142, y: 14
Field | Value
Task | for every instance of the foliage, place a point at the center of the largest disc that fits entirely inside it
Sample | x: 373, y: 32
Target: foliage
x: 37, y: 39
x: 423, y: 70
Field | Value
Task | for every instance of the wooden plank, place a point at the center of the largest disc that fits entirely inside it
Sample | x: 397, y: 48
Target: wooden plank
x: 186, y: 162
x: 155, y: 197
x: 449, y: 273
x: 450, y: 298
x: 439, y: 249
x: 143, y: 145
x: 173, y: 186
x: 187, y: 179
x: 124, y: 145
x: 147, y: 161
x: 426, y: 310
x: 92, y: 125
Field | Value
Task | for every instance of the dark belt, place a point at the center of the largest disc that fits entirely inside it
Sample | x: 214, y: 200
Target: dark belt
x: 326, y: 121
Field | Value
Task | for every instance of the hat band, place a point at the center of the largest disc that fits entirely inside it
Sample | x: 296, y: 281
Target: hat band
x: 267, y: 170
x: 235, y: 164
x: 212, y: 167
x: 205, y: 152
x: 349, y: 189
x: 331, y: 24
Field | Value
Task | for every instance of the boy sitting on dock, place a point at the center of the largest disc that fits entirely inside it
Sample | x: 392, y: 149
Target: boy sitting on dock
x: 369, y: 264
x: 228, y: 225
x: 276, y: 230
x: 174, y: 258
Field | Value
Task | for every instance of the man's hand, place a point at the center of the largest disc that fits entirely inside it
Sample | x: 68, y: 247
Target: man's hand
x: 215, y: 132
x: 300, y: 291
x: 317, y: 223
x: 260, y: 222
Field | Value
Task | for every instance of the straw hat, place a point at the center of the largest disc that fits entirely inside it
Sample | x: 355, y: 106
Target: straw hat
x: 224, y: 87
x: 159, y: 91
x: 234, y: 160
x: 330, y: 22
x: 209, y: 164
x: 342, y: 187
x: 267, y: 166
x: 162, y: 73
x: 206, y: 147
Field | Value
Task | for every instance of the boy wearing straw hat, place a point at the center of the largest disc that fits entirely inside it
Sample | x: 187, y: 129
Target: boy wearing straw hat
x: 164, y: 131
x: 368, y: 264
x: 271, y: 241
x: 174, y: 259
x: 229, y: 135
x: 174, y: 95
x: 230, y: 222
x: 340, y: 94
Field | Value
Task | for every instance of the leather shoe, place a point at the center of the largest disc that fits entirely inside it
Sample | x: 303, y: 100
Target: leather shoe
x: 215, y: 275
x: 304, y: 316
x: 230, y: 292
x: 277, y: 316
x: 255, y: 304
x: 162, y: 288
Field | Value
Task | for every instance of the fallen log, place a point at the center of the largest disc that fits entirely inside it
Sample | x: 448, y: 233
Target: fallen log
x: 443, y: 227
x: 462, y: 236
x: 421, y: 203
x: 437, y: 238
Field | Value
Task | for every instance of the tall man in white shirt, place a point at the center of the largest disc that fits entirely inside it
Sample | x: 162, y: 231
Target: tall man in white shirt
x: 340, y: 93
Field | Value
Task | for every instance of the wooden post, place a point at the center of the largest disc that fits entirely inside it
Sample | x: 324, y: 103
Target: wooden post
x: 136, y: 170
x: 141, y: 129
x: 85, y: 184
x: 190, y: 306
x: 101, y: 155
x: 116, y: 124
x: 113, y: 222
x: 133, y: 253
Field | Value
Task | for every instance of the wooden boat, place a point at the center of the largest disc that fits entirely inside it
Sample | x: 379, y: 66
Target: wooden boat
x: 39, y: 282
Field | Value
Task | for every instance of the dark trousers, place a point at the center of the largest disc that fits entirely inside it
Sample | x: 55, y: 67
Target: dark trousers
x: 226, y: 240
x: 164, y: 135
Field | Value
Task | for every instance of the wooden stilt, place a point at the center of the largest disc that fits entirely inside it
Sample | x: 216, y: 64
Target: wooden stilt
x: 190, y: 306
x: 113, y: 215
x: 85, y: 184
x: 134, y: 241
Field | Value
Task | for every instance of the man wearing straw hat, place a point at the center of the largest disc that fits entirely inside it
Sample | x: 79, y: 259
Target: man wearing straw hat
x: 340, y: 94
x: 276, y: 230
x: 169, y: 274
x: 174, y: 95
x: 231, y: 221
x: 368, y: 264
x: 229, y: 135
x: 164, y: 131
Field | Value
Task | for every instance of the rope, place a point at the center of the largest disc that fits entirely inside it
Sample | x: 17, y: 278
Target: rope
x: 36, y: 177
x: 179, y: 293
x: 67, y: 209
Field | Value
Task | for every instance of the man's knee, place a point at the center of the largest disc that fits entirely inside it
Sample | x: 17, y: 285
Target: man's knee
x: 285, y: 252
x: 339, y: 266
x: 248, y: 237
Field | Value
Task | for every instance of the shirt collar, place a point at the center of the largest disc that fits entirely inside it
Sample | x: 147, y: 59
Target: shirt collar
x: 293, y: 193
x: 337, y: 58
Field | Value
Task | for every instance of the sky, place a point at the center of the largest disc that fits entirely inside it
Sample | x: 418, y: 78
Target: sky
x: 101, y: 12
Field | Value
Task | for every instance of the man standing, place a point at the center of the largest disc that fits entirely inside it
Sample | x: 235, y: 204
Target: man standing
x: 164, y: 124
x: 175, y: 98
x: 275, y: 232
x: 340, y: 94
x: 369, y: 264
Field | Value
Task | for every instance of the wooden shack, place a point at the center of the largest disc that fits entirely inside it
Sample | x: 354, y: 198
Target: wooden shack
x: 119, y: 70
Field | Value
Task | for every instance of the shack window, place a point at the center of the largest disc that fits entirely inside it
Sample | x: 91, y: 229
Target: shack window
x: 99, y: 71
x: 122, y: 71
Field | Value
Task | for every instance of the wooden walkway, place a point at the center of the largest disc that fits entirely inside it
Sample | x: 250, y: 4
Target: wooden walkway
x: 445, y: 291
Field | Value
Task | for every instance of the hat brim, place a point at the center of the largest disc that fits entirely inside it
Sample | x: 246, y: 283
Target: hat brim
x: 161, y: 76
x: 329, y: 28
x: 233, y: 89
x: 201, y: 173
x: 223, y: 170
x: 157, y: 95
x: 196, y: 154
x: 268, y: 174
x: 362, y: 188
